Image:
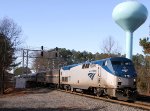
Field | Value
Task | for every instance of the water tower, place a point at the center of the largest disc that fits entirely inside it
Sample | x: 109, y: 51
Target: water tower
x: 129, y: 16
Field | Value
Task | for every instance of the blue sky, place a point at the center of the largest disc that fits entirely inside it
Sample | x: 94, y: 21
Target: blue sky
x: 72, y: 24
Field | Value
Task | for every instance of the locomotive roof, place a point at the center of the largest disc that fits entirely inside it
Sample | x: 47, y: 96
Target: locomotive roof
x: 100, y: 62
x: 69, y: 66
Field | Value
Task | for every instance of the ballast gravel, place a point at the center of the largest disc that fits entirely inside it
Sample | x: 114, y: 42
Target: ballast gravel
x: 53, y: 100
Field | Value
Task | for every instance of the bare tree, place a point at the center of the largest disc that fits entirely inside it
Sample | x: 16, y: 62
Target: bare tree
x: 11, y: 30
x: 109, y: 46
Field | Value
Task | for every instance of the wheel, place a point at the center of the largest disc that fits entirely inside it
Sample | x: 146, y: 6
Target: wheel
x: 56, y: 86
x: 72, y: 89
x: 98, y: 92
x: 83, y: 91
x: 69, y: 87
x: 61, y: 87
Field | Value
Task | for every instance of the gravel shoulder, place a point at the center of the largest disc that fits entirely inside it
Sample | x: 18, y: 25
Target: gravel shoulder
x: 53, y: 100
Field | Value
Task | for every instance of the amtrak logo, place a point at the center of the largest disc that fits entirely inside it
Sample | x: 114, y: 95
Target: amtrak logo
x: 91, y: 75
x: 125, y: 69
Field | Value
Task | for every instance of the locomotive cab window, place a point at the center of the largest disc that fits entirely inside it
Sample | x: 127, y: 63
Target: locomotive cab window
x: 121, y: 63
x: 105, y: 63
x: 116, y: 62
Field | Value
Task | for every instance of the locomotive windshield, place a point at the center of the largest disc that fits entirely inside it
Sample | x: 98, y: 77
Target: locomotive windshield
x: 123, y: 68
x: 126, y: 63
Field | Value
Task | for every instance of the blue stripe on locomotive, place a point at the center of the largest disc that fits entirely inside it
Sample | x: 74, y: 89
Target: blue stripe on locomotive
x: 116, y: 70
x: 69, y: 66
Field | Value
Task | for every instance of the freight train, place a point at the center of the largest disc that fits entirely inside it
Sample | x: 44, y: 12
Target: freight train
x: 115, y: 77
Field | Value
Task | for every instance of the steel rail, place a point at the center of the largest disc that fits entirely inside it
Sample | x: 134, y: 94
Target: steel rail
x: 136, y: 104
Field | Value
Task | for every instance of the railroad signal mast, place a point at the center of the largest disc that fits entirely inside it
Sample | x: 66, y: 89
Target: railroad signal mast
x: 53, y: 55
x: 42, y: 50
x: 56, y: 54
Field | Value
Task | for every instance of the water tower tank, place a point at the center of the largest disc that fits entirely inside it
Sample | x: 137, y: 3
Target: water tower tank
x: 129, y: 16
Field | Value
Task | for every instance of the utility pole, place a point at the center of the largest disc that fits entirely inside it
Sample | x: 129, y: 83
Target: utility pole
x: 22, y: 60
x: 27, y: 62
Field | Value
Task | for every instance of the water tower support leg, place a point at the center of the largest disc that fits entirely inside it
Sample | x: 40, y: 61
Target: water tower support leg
x: 129, y: 45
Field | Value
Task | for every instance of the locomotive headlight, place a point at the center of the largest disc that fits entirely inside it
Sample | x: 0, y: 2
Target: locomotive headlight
x: 134, y: 80
x: 119, y: 79
x: 134, y: 83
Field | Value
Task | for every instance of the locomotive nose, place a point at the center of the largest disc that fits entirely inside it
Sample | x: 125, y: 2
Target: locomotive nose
x: 124, y: 70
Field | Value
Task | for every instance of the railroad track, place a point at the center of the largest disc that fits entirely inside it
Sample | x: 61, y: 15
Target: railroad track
x: 136, y: 104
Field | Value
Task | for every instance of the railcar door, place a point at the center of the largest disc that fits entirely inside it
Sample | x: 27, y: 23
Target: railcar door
x: 99, y: 71
x: 99, y: 76
x: 59, y: 78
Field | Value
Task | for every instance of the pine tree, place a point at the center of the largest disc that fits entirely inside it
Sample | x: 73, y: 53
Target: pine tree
x: 145, y: 43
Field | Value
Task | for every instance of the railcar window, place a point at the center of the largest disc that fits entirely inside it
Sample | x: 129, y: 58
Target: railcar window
x: 65, y: 79
x: 62, y: 78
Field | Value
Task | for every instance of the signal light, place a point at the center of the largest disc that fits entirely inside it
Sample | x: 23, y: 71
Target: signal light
x: 42, y: 50
x: 56, y: 54
x: 56, y: 48
x: 41, y: 47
